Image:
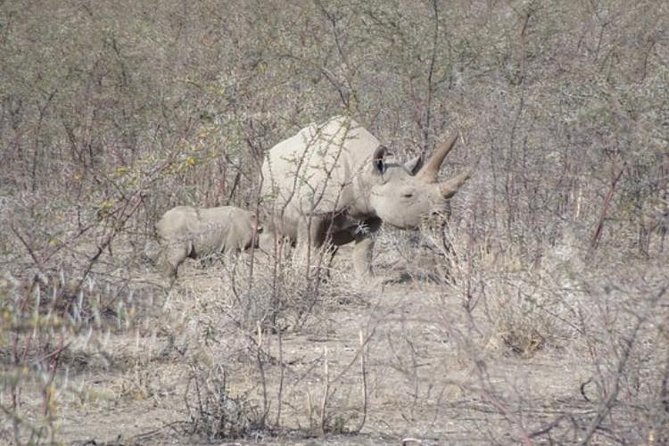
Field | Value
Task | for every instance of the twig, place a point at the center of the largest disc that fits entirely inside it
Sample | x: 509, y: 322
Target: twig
x: 610, y: 401
x: 594, y: 243
x: 363, y: 371
x: 326, y: 390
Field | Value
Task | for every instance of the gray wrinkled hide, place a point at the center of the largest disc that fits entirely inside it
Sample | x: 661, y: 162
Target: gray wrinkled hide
x: 187, y: 231
x: 332, y: 184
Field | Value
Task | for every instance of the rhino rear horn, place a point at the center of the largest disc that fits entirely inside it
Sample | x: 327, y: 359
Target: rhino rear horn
x: 430, y: 171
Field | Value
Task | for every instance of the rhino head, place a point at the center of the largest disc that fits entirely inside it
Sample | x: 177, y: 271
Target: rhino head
x: 403, y: 195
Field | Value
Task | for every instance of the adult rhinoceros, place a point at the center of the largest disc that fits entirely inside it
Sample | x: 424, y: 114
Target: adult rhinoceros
x: 331, y: 184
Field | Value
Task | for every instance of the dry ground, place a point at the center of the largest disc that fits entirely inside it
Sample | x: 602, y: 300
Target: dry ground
x: 434, y: 371
x: 414, y: 373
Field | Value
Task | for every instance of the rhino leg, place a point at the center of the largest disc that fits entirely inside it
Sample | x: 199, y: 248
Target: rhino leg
x: 326, y: 257
x: 275, y: 245
x: 313, y: 247
x: 362, y: 256
x: 363, y: 249
x: 303, y: 252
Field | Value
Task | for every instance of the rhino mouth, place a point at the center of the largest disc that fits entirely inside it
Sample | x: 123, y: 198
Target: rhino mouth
x: 435, y: 218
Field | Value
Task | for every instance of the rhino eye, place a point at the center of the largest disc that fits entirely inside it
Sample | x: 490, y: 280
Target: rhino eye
x: 407, y: 195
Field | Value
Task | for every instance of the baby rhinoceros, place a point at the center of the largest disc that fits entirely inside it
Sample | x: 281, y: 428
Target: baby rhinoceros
x: 187, y: 231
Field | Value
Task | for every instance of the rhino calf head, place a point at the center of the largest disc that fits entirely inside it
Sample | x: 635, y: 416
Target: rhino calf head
x: 190, y: 232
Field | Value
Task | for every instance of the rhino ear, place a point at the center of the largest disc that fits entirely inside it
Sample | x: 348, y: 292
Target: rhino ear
x: 378, y: 162
x: 414, y: 164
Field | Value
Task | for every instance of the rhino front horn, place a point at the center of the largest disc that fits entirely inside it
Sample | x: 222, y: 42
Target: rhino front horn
x: 430, y: 171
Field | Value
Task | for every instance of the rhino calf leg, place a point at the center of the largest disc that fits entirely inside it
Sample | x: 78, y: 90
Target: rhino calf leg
x: 175, y: 256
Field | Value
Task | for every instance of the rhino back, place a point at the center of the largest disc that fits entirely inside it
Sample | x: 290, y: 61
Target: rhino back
x: 211, y: 231
x: 315, y: 171
x: 174, y: 223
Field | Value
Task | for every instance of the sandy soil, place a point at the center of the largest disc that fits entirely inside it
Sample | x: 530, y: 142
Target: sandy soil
x: 423, y: 380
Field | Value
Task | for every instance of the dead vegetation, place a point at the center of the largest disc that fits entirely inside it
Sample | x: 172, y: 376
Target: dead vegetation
x: 537, y: 314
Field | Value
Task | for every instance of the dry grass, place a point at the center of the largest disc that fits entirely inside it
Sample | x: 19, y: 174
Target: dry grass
x: 429, y: 354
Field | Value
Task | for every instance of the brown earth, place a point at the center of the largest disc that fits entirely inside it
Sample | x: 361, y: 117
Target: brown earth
x: 430, y: 375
